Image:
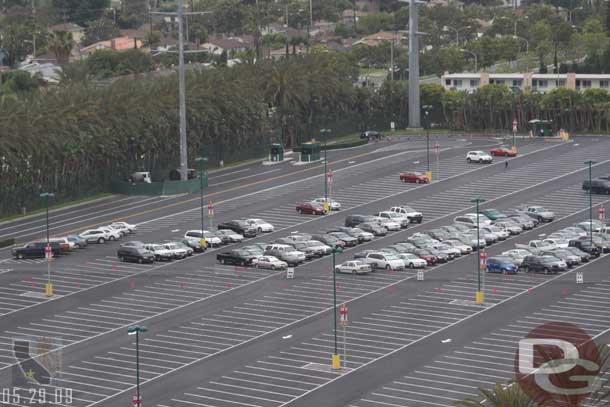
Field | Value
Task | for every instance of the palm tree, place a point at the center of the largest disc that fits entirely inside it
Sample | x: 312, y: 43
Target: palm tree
x: 61, y: 44
x: 510, y: 395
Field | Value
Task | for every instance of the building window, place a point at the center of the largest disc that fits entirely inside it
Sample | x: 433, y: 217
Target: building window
x: 448, y: 82
x: 474, y: 83
x: 585, y: 83
x: 457, y: 83
x: 517, y: 83
x: 603, y: 84
x: 560, y: 83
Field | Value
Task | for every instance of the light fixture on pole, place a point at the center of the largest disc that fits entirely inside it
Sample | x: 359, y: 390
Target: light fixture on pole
x: 457, y: 32
x: 479, y: 296
x: 590, y: 164
x: 325, y: 132
x: 427, y: 109
x: 201, y: 161
x: 336, y: 358
x: 48, y: 250
x: 476, y: 64
x: 136, y: 330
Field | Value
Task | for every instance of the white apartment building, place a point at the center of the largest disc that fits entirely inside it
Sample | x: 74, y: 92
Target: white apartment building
x: 540, y: 82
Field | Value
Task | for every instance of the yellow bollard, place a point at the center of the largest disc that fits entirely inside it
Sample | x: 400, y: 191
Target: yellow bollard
x: 429, y: 176
x: 336, y: 362
x: 326, y: 206
x: 514, y: 149
x: 48, y: 289
x: 479, y: 297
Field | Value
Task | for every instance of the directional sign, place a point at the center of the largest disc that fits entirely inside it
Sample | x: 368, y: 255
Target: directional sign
x: 579, y: 278
x: 343, y: 314
x: 420, y: 275
x: 48, y: 252
x: 290, y: 273
x: 515, y: 126
x: 602, y: 213
x: 329, y: 176
x: 210, y: 209
x: 437, y: 148
x: 136, y: 400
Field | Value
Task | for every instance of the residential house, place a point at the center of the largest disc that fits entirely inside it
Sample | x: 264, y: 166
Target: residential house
x: 351, y: 16
x: 117, y: 44
x: 379, y: 38
x: 77, y: 31
x: 217, y: 46
x: 49, y: 72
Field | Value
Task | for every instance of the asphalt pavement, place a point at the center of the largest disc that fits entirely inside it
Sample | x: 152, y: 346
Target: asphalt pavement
x: 230, y: 336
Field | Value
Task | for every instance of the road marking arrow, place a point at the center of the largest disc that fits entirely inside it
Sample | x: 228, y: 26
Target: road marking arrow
x: 446, y: 340
x: 287, y: 337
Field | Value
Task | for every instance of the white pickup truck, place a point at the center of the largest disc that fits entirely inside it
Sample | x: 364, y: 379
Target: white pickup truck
x: 413, y: 215
x: 537, y: 245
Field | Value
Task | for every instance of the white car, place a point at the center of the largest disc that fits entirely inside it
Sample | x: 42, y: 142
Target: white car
x: 121, y: 231
x: 63, y: 240
x: 353, y: 267
x: 210, y: 238
x: 386, y: 261
x: 596, y: 225
x: 496, y: 232
x: 470, y: 220
x: 464, y: 249
x: 334, y: 205
x: 479, y: 157
x: 260, y: 225
x: 557, y: 242
x: 517, y: 255
x: 112, y: 234
x: 228, y: 236
x: 386, y: 223
x: 124, y: 225
x: 413, y: 215
x: 160, y: 252
x: 95, y: 236
x: 178, y: 251
x: 411, y: 260
x: 271, y: 262
x: 396, y: 217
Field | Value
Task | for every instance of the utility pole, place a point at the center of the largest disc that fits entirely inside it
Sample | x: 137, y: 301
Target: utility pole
x: 34, y: 30
x: 181, y: 85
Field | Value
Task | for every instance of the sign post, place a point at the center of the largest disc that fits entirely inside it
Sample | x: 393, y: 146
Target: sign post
x: 420, y: 275
x: 602, y: 213
x: 48, y: 254
x: 437, y: 151
x: 514, y: 135
x: 329, y: 179
x: 483, y: 257
x: 579, y: 277
x: 136, y: 400
x: 343, y: 322
x: 211, y: 213
x: 290, y: 273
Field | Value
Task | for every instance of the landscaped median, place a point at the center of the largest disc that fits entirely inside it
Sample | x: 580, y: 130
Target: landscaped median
x: 336, y: 146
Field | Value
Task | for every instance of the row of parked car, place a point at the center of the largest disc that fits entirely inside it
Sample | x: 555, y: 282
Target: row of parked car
x: 64, y: 244
x: 194, y: 241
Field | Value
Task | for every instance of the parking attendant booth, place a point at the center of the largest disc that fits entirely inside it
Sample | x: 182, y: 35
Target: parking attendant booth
x: 277, y: 152
x: 310, y: 151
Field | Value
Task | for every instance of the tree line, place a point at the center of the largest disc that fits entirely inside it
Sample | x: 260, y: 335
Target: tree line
x: 76, y: 138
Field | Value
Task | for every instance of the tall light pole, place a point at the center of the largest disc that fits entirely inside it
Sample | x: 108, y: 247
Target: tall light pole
x: 476, y: 64
x: 479, y: 297
x: 427, y: 109
x: 457, y: 32
x: 48, y: 250
x: 527, y: 51
x: 590, y: 163
x: 325, y: 132
x: 336, y: 357
x: 414, y: 101
x: 201, y: 161
x: 135, y: 330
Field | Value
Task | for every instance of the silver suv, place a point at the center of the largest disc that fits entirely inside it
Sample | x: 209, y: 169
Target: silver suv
x: 286, y: 253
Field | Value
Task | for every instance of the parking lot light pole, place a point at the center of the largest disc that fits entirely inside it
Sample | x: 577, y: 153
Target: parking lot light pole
x: 135, y: 330
x: 590, y: 163
x: 325, y: 132
x: 479, y: 296
x: 336, y: 357
x: 427, y: 109
x: 49, y: 285
x: 201, y: 161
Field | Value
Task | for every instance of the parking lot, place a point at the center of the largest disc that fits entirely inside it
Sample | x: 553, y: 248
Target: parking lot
x: 222, y: 335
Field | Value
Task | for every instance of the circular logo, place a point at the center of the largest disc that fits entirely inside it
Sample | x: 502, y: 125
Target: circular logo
x: 557, y: 364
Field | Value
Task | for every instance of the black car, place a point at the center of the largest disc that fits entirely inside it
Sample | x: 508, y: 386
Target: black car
x: 36, y: 249
x: 238, y: 226
x: 597, y: 186
x: 329, y: 240
x: 135, y: 254
x: 193, y: 244
x: 371, y: 135
x: 585, y: 246
x: 544, y: 264
x: 237, y: 257
x: 355, y: 220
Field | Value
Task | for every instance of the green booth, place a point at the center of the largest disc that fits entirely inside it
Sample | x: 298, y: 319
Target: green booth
x: 310, y: 151
x: 277, y: 152
x: 541, y: 128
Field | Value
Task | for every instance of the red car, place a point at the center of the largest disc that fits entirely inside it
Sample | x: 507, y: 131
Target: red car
x: 414, y: 177
x: 502, y: 152
x: 311, y: 208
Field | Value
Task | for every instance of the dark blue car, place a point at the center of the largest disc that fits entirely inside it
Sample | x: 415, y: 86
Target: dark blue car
x: 501, y: 264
